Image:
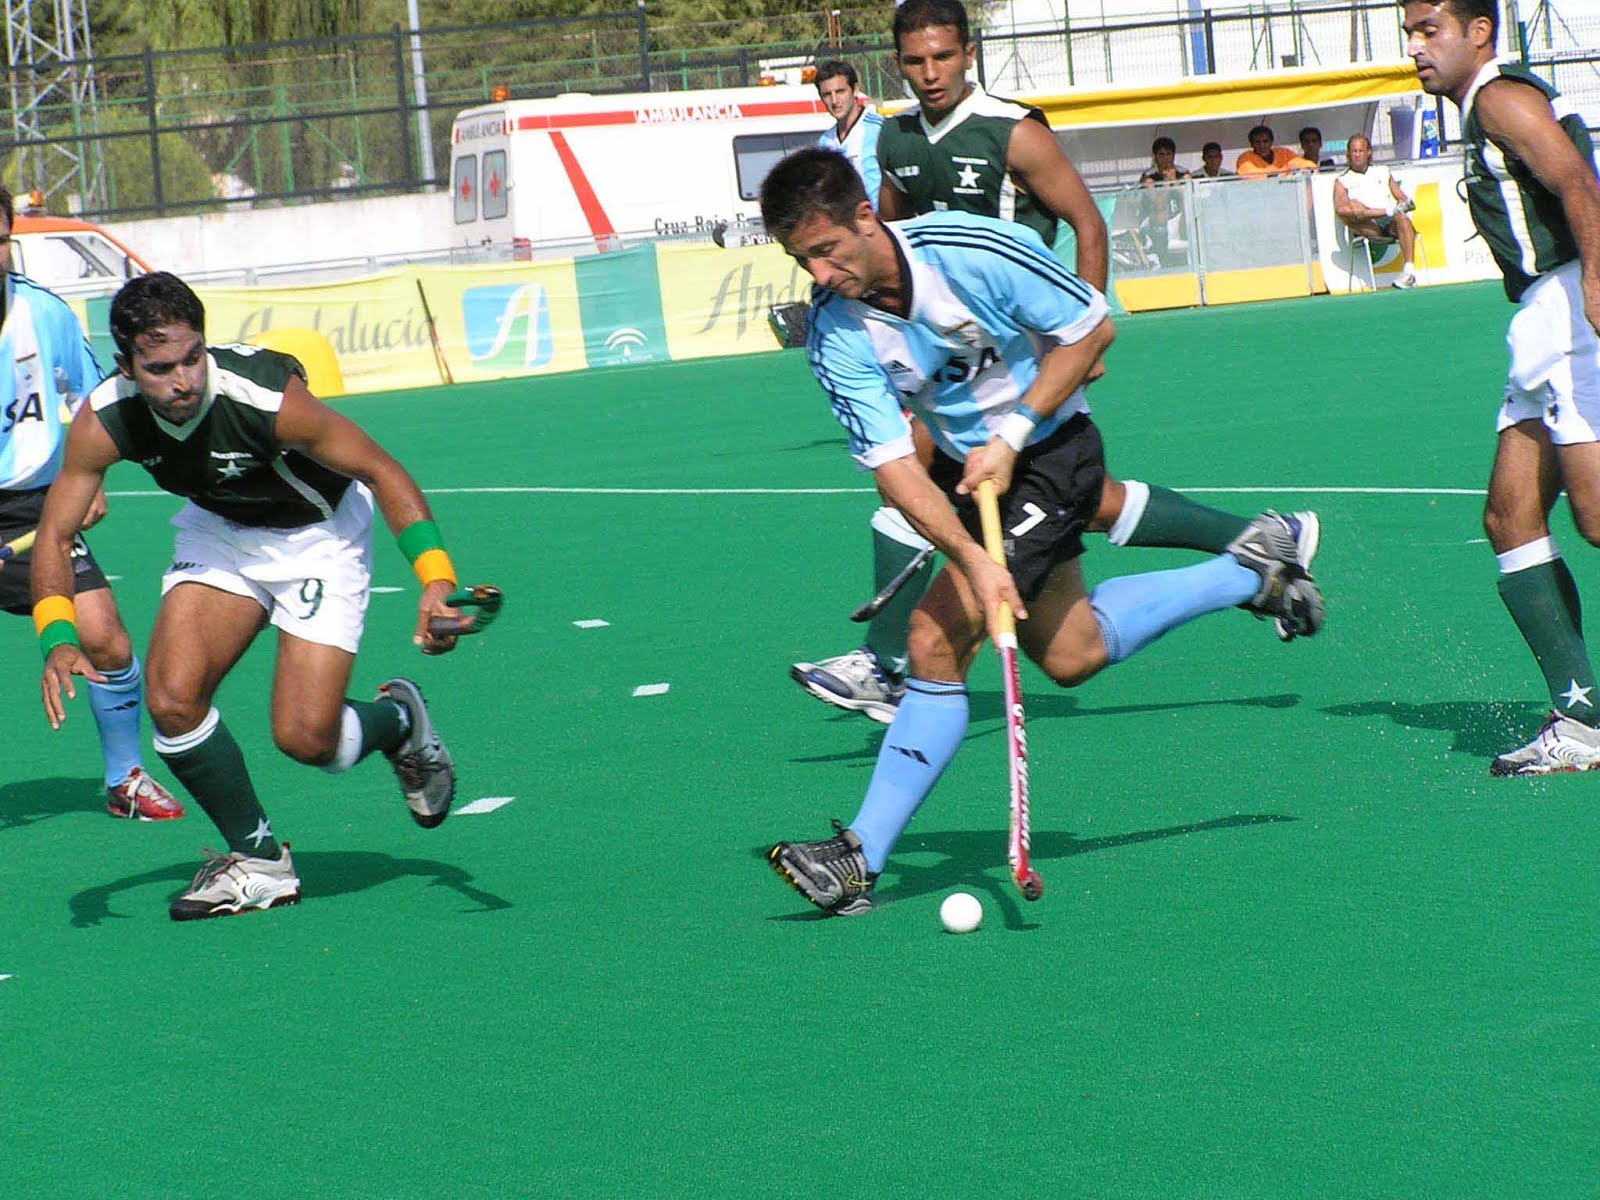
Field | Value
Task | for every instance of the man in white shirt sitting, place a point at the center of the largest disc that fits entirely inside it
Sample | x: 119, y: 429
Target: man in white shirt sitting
x: 1371, y: 205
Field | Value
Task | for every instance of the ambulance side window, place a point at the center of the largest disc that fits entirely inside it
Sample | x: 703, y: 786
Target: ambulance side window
x: 755, y: 154
x: 493, y: 188
x: 464, y: 184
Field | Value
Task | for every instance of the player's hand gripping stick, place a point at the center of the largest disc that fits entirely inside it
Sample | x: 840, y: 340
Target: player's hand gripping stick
x: 483, y: 600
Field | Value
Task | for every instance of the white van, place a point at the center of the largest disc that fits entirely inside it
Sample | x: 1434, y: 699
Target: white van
x: 660, y: 164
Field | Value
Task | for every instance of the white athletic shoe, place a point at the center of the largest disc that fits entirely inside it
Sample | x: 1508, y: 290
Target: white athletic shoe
x: 1408, y: 280
x: 1562, y: 745
x: 233, y: 883
x: 1307, y: 529
x: 855, y: 682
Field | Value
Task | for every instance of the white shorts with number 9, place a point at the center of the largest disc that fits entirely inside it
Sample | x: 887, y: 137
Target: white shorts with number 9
x: 1555, y: 361
x: 314, y: 580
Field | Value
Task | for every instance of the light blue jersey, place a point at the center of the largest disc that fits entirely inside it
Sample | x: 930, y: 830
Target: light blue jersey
x: 860, y: 146
x: 52, y: 369
x: 987, y: 300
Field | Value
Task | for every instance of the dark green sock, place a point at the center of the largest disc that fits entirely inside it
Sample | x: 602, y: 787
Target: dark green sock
x: 1543, y: 601
x: 1171, y: 519
x: 383, y: 724
x: 214, y: 773
x: 886, y: 635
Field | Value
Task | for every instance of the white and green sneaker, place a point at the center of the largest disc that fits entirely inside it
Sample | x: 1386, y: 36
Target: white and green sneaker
x: 1561, y: 746
x: 233, y: 883
x: 426, y: 772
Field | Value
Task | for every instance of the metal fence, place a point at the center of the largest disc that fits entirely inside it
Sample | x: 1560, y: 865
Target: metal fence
x: 167, y: 132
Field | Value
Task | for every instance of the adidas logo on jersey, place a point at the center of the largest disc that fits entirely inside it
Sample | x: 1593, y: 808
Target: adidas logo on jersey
x: 896, y: 367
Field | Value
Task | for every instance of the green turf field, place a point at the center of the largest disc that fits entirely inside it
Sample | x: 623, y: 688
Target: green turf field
x: 1294, y: 942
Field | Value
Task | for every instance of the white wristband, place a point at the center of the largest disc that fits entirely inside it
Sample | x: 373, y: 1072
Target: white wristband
x: 1015, y: 428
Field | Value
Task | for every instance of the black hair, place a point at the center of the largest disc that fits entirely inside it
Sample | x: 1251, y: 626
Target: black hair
x: 1163, y: 143
x: 1266, y: 129
x: 8, y: 206
x: 923, y: 14
x: 833, y: 68
x: 148, y: 302
x: 807, y: 183
x: 1210, y: 146
x: 1467, y: 11
x: 1310, y: 129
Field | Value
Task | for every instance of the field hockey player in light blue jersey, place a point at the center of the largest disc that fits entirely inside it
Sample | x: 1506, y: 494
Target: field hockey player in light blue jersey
x: 972, y: 324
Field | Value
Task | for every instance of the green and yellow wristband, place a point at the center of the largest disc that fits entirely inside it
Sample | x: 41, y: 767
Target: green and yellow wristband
x: 55, y: 621
x: 423, y: 545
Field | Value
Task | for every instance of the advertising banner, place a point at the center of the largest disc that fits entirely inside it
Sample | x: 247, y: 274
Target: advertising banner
x: 375, y: 325
x: 1447, y: 249
x: 506, y: 320
x: 619, y: 297
x: 715, y: 300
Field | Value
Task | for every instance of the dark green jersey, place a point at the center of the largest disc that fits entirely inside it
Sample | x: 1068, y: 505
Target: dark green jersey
x: 226, y: 458
x: 1521, y: 220
x: 961, y: 163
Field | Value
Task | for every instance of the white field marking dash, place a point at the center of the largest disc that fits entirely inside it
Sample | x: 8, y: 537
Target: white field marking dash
x: 386, y: 591
x: 592, y: 623
x: 3, y: 978
x: 652, y: 689
x: 486, y: 804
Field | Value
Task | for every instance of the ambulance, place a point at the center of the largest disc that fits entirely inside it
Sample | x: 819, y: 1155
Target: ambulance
x: 608, y: 170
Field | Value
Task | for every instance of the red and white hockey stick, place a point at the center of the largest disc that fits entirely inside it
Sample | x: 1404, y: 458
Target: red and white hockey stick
x: 1022, y: 872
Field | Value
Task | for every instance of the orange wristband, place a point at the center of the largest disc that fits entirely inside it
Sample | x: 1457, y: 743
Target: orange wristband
x: 52, y: 609
x: 432, y: 566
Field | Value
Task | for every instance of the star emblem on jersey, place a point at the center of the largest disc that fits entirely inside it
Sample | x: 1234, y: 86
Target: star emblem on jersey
x: 968, y: 177
x: 260, y: 833
x: 1576, y: 695
x: 231, y: 470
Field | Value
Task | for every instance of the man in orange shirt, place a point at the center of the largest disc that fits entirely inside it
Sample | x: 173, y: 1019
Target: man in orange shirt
x: 1263, y: 158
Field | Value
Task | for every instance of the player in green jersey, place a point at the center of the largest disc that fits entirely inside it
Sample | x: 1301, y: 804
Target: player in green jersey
x: 1534, y: 196
x: 277, y: 530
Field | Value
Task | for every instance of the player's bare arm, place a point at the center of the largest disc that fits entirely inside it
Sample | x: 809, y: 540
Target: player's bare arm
x: 1062, y: 371
x: 892, y: 202
x: 306, y: 424
x: 905, y: 485
x: 1035, y: 160
x: 1518, y: 119
x: 89, y: 453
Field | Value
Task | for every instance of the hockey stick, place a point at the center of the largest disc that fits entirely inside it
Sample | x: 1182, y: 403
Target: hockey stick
x: 891, y: 589
x: 1022, y: 873
x: 481, y: 597
x: 18, y: 545
x: 433, y: 336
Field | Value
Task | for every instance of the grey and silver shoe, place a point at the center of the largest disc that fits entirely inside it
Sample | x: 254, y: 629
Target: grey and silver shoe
x: 1562, y: 745
x: 1271, y: 547
x: 856, y: 682
x: 234, y: 883
x: 1307, y: 529
x: 426, y: 772
x: 832, y: 873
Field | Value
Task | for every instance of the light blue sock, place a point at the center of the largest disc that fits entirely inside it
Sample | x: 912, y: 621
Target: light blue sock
x: 1134, y: 610
x: 115, y: 704
x: 926, y: 733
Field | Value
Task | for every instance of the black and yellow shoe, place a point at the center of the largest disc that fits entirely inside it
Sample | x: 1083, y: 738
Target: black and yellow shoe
x: 832, y: 873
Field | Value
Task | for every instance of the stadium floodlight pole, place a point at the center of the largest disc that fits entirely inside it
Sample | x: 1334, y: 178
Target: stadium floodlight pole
x: 419, y: 82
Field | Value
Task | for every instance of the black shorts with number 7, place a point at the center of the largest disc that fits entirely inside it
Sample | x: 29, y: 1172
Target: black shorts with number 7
x: 1055, y: 492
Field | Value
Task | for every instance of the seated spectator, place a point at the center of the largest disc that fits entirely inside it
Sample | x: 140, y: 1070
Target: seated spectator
x: 1371, y: 205
x: 1311, y: 148
x: 1163, y: 207
x: 1263, y: 158
x: 1211, y: 163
